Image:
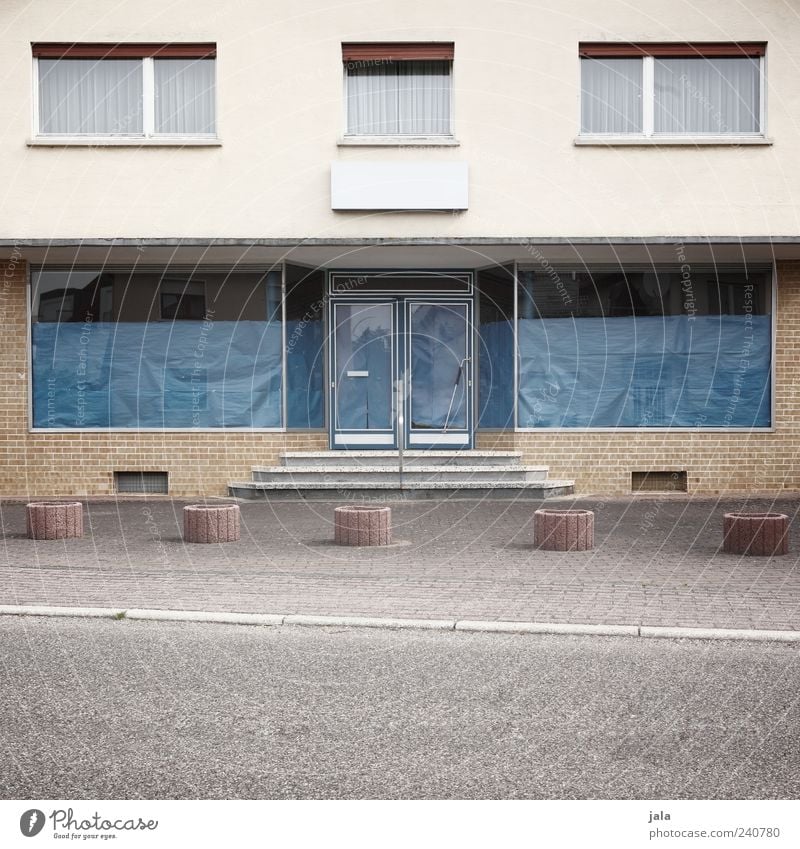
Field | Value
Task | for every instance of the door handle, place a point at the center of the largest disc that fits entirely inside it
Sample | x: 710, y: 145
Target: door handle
x: 358, y: 374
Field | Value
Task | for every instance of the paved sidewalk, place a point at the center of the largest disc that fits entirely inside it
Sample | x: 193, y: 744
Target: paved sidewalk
x: 657, y: 562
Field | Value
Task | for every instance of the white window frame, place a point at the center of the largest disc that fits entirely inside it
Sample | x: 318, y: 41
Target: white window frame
x: 348, y: 139
x: 282, y: 428
x: 772, y: 273
x: 648, y: 136
x: 148, y: 136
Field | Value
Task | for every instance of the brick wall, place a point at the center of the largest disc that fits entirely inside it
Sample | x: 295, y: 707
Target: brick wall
x: 43, y: 464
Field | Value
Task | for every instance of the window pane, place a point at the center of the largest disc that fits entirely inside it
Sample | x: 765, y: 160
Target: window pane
x: 561, y: 293
x: 496, y: 348
x: 698, y: 95
x: 407, y: 98
x: 362, y: 366
x: 183, y: 300
x: 102, y: 358
x: 305, y: 347
x: 90, y: 96
x: 69, y: 297
x: 184, y: 94
x: 611, y: 95
x: 681, y: 348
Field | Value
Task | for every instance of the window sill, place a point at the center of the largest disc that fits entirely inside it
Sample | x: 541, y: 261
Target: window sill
x: 398, y: 141
x: 116, y: 141
x: 670, y: 141
x: 733, y: 430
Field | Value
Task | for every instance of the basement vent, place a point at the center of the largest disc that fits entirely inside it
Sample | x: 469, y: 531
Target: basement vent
x: 658, y: 481
x: 155, y: 483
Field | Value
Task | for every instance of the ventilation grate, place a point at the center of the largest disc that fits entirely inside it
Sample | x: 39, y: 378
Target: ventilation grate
x: 660, y: 481
x: 155, y: 483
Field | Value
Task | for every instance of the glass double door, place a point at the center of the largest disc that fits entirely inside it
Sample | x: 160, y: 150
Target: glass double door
x: 401, y: 370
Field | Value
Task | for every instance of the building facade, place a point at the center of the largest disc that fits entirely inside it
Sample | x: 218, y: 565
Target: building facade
x: 234, y: 230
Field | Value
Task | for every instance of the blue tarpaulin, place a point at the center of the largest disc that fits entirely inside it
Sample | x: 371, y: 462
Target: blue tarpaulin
x: 157, y: 374
x: 304, y: 374
x: 496, y: 374
x: 701, y: 371
x: 679, y: 371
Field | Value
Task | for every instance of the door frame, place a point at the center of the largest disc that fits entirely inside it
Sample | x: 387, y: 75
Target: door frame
x: 401, y: 298
x: 377, y: 439
x: 463, y: 438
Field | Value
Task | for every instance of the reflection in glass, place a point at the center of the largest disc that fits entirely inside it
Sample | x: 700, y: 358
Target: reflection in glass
x: 364, y: 366
x: 438, y: 339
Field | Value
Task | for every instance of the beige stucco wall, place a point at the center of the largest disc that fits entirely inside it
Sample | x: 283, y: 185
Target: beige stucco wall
x: 44, y: 464
x: 280, y: 114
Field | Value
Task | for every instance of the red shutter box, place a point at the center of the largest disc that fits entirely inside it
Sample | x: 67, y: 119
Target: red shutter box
x: 363, y: 51
x: 122, y: 50
x: 664, y: 49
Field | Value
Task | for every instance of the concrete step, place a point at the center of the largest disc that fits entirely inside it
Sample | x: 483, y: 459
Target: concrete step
x: 383, y: 492
x: 455, y: 474
x: 410, y: 458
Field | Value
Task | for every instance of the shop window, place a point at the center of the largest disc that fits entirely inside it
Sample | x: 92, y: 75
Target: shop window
x: 305, y: 347
x: 149, y: 349
x: 609, y: 348
x: 496, y: 347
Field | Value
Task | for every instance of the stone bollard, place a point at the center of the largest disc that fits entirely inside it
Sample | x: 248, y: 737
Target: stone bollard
x: 563, y: 530
x: 217, y: 523
x: 362, y: 525
x: 54, y: 519
x: 758, y: 534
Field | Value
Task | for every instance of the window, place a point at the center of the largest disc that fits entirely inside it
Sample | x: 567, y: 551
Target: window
x: 402, y: 89
x: 305, y: 346
x: 624, y: 292
x: 125, y: 90
x: 103, y: 355
x: 631, y: 347
x: 87, y: 297
x: 664, y: 91
x: 611, y: 95
x: 496, y: 347
x: 183, y: 299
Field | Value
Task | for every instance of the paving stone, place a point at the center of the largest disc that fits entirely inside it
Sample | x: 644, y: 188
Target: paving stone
x: 657, y: 562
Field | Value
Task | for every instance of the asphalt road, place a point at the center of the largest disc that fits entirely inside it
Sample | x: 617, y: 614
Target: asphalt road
x: 107, y: 709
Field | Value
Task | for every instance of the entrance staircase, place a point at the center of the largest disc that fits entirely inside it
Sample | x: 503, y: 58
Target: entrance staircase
x: 365, y: 475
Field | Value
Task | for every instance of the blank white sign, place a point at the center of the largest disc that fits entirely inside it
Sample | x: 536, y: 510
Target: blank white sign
x: 399, y: 185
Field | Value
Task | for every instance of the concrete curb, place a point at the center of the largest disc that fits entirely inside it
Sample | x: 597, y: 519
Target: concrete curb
x: 35, y: 610
x: 371, y: 622
x: 547, y: 628
x: 202, y: 616
x: 466, y: 625
x: 720, y: 634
